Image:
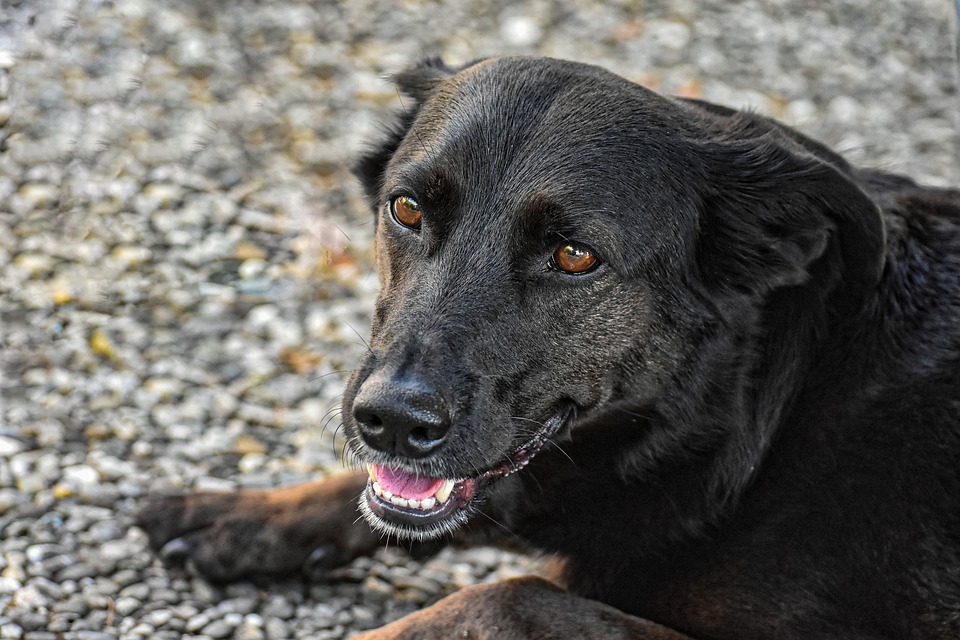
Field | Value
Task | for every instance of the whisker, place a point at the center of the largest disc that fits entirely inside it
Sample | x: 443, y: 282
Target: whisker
x: 565, y: 454
x: 359, y: 335
x: 537, y: 422
x: 330, y: 413
x: 636, y: 414
x: 499, y: 524
x: 543, y: 424
x: 329, y: 373
x: 323, y: 429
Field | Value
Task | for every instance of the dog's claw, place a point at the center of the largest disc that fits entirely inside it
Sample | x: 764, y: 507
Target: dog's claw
x: 176, y: 552
x: 322, y: 560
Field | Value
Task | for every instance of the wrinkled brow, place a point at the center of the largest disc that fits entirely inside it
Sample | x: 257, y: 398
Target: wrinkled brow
x: 544, y: 217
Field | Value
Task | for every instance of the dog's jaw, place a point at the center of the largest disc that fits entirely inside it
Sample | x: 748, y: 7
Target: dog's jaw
x: 403, y: 503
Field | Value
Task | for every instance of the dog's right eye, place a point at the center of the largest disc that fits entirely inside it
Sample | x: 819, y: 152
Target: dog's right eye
x: 574, y: 259
x: 406, y: 211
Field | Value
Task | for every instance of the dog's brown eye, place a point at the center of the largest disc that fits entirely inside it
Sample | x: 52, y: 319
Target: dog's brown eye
x: 407, y: 212
x: 574, y: 258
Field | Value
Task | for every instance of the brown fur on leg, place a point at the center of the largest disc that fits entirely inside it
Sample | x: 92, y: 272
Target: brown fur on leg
x: 520, y: 609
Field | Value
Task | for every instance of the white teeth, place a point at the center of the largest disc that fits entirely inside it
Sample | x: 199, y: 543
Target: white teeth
x: 372, y: 472
x: 441, y: 496
x: 444, y: 492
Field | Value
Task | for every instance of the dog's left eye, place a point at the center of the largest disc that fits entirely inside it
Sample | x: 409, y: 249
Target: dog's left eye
x: 406, y: 211
x: 574, y: 258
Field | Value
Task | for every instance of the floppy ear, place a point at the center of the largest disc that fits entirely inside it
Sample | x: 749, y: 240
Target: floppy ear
x: 417, y: 83
x: 772, y: 215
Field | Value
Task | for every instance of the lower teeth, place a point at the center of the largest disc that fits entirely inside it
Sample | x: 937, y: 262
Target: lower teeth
x: 426, y: 503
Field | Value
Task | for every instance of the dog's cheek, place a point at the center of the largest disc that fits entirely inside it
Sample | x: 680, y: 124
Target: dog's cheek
x: 638, y: 343
x: 393, y: 258
x: 570, y: 344
x: 381, y: 260
x: 393, y: 265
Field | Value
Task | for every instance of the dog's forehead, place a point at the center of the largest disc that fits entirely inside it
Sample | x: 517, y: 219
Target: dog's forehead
x: 501, y: 103
x: 552, y: 124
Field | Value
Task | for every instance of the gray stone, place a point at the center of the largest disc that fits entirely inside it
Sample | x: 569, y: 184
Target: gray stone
x: 126, y: 606
x: 218, y: 629
x: 277, y: 607
x: 74, y: 604
x: 138, y: 591
x: 60, y: 622
x: 10, y: 446
x: 78, y: 571
x: 241, y: 605
x: 47, y: 587
x: 11, y: 631
x: 158, y: 617
x: 115, y: 550
x: 249, y: 632
x: 142, y: 630
x: 197, y: 622
x: 93, y: 635
x: 169, y: 596
x: 28, y: 619
x: 106, y: 530
x: 276, y: 629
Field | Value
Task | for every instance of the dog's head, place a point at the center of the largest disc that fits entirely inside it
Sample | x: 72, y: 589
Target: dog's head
x: 554, y: 242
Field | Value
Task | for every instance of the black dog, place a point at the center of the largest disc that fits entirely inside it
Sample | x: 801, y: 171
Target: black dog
x: 695, y: 354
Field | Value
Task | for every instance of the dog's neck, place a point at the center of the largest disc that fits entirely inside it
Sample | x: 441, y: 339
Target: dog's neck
x: 714, y: 430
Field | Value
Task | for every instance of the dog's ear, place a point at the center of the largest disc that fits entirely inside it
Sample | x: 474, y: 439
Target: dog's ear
x: 771, y: 212
x: 422, y: 79
x: 417, y: 83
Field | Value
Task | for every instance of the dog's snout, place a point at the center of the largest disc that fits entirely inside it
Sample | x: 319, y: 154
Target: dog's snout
x: 404, y: 416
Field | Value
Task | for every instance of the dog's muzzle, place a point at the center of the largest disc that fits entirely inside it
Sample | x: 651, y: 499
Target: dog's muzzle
x: 405, y: 503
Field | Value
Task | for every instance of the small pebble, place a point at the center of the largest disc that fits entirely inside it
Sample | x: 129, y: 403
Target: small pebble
x: 218, y: 629
x: 11, y: 631
x: 197, y: 622
x: 125, y: 606
x: 158, y: 617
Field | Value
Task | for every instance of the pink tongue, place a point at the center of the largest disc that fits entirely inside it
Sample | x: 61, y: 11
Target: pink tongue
x: 407, y: 485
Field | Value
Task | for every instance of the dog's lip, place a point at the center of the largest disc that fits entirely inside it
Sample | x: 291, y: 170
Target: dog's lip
x: 438, y: 499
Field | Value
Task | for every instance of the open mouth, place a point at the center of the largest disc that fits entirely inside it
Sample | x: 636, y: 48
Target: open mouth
x: 403, y: 502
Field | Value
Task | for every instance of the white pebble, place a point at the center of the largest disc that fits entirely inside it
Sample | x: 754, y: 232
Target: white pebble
x: 521, y: 31
x: 81, y: 475
x: 10, y: 446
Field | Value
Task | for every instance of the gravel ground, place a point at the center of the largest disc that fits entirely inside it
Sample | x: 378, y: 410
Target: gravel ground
x: 185, y: 272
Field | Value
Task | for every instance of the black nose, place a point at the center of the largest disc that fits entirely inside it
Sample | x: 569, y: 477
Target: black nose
x: 403, y: 416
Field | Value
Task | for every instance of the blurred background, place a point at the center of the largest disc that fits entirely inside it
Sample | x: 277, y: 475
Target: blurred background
x: 185, y: 266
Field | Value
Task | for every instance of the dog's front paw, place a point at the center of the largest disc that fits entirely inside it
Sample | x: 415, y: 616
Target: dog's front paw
x: 308, y: 528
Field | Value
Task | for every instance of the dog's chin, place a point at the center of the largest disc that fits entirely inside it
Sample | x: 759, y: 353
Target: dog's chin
x: 406, y: 504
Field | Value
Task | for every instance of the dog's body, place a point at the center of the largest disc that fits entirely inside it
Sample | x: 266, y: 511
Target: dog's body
x: 697, y: 355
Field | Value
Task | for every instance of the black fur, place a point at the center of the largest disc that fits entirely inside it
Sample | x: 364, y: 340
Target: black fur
x: 762, y: 379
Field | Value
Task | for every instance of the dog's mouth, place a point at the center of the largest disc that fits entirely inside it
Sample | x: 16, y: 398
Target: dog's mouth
x: 404, y: 502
